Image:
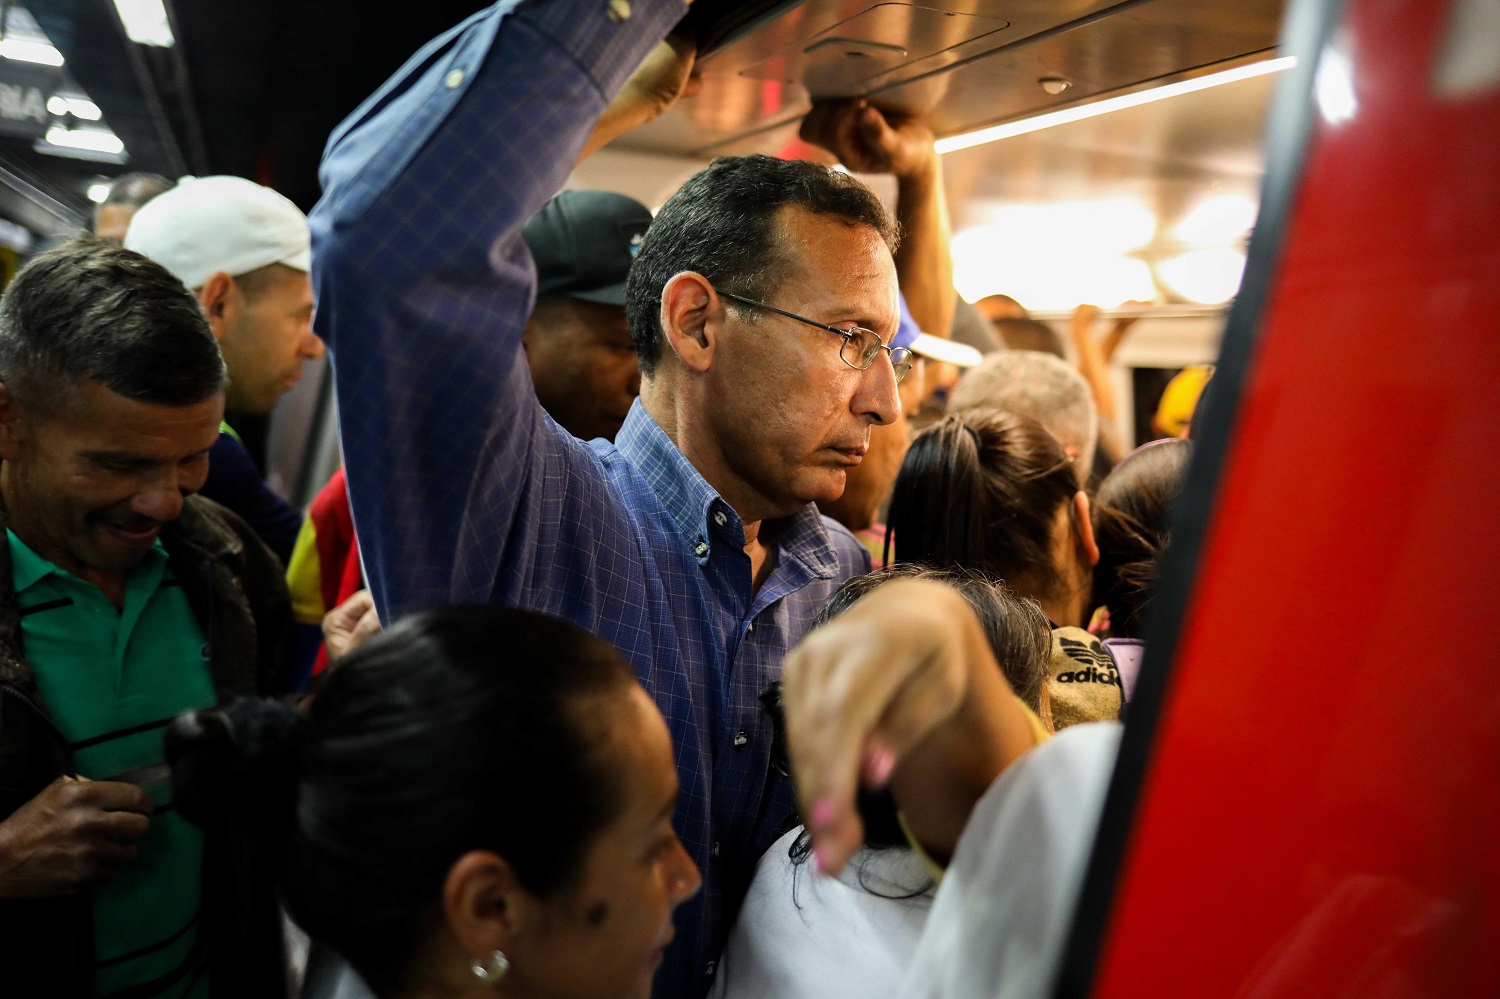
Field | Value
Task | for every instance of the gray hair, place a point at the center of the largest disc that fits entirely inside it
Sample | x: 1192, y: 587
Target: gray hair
x: 1040, y: 386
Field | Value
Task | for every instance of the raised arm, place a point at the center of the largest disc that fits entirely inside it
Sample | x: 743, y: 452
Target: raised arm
x: 424, y: 285
x: 901, y: 688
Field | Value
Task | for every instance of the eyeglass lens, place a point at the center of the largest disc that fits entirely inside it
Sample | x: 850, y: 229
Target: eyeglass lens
x: 862, y: 347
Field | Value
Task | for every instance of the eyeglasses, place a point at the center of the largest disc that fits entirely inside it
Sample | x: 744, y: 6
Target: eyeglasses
x: 860, y: 346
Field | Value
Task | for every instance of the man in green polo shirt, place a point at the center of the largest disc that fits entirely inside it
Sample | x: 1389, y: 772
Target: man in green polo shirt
x: 124, y: 601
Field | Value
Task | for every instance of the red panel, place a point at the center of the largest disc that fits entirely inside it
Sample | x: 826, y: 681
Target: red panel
x: 1322, y: 812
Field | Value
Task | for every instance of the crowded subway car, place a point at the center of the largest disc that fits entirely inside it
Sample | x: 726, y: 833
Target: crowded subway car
x: 764, y: 499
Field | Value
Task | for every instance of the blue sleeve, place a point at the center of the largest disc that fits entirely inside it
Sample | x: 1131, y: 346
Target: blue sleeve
x: 235, y: 482
x: 459, y: 483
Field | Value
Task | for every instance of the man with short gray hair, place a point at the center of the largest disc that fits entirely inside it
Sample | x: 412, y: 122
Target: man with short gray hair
x: 1043, y: 387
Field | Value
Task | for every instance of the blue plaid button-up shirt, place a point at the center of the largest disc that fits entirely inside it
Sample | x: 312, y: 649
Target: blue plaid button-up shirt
x: 463, y: 489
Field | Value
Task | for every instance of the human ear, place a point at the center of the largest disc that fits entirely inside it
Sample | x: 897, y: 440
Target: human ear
x: 485, y: 906
x: 218, y: 298
x: 1085, y: 527
x: 690, y: 313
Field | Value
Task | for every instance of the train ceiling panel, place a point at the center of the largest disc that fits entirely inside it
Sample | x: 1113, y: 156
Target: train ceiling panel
x: 963, y: 64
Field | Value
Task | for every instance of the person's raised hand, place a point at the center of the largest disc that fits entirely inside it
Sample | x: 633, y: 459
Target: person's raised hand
x: 864, y: 691
x: 867, y: 140
x: 71, y: 835
x: 349, y: 624
x: 663, y: 78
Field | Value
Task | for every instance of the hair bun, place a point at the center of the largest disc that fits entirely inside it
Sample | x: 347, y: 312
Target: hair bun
x: 238, y: 764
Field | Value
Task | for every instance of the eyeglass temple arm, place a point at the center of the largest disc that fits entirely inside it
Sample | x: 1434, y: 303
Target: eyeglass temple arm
x: 782, y: 312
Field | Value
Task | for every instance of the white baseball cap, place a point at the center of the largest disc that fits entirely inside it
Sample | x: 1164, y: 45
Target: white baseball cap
x: 205, y: 225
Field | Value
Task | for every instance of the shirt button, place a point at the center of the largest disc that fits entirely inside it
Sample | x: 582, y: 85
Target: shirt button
x: 740, y: 739
x: 720, y: 519
x: 619, y: 12
x: 710, y: 970
x: 700, y: 549
x: 453, y: 79
x: 714, y: 850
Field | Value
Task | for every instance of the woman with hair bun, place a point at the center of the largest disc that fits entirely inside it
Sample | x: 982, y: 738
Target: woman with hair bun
x: 995, y: 492
x: 478, y: 798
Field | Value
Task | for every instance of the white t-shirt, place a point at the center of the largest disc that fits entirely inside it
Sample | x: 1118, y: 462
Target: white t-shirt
x: 804, y: 936
x: 1002, y: 915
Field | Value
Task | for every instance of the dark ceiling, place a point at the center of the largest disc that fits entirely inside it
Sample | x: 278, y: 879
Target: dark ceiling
x: 251, y: 88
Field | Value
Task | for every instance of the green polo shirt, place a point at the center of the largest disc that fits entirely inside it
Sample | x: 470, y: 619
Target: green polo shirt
x: 113, y: 679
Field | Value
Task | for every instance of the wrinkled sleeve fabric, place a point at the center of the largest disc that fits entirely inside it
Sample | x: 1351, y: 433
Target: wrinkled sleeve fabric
x: 461, y: 486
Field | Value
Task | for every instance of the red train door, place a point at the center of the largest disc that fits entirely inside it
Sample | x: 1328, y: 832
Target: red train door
x: 1308, y: 798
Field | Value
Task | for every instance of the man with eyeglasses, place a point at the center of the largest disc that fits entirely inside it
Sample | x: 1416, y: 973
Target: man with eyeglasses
x: 762, y: 304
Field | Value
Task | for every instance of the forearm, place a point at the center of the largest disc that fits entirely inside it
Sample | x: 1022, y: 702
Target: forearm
x: 924, y: 262
x: 937, y: 784
x: 1093, y: 367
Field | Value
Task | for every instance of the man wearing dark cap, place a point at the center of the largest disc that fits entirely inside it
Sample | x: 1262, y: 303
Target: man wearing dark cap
x: 577, y: 342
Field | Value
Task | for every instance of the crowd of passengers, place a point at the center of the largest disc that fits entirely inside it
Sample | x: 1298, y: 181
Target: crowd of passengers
x: 742, y: 638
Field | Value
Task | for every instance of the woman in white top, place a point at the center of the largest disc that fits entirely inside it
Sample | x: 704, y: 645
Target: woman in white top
x: 803, y: 936
x: 903, y: 692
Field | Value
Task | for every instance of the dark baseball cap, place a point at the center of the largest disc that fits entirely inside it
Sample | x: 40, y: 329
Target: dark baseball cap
x: 583, y: 243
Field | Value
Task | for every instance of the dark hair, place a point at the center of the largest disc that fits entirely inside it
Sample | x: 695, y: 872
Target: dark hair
x: 981, y: 490
x: 1025, y: 333
x: 92, y: 310
x: 455, y: 730
x: 1130, y: 527
x: 1017, y: 629
x: 722, y: 224
x: 135, y: 189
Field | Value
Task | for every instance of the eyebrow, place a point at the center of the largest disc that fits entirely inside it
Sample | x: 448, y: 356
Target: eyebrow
x: 134, y: 457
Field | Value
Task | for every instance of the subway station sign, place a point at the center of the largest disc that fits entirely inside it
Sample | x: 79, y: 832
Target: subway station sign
x: 24, y: 89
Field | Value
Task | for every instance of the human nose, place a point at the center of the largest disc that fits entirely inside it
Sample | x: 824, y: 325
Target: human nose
x: 684, y: 874
x: 161, y: 498
x: 312, y: 345
x: 878, y: 396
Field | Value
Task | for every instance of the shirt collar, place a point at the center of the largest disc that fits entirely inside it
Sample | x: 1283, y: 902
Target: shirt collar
x: 697, y: 511
x: 28, y: 568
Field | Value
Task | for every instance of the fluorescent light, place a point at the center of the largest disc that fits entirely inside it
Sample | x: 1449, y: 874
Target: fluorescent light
x: 96, y: 140
x: 98, y: 192
x: 78, y: 107
x: 145, y: 22
x: 25, y: 50
x: 993, y: 134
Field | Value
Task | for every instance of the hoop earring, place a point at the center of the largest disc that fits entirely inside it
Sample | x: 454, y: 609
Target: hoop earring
x: 491, y: 970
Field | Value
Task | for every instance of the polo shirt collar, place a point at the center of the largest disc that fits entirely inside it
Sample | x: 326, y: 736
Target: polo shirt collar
x: 28, y: 568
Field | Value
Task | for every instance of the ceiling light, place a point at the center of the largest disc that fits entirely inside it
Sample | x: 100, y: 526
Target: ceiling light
x: 1333, y: 85
x: 97, y: 140
x: 78, y: 107
x: 1208, y: 277
x: 145, y: 22
x: 98, y: 192
x: 1046, y: 256
x: 993, y: 134
x: 1218, y: 220
x: 26, y: 50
